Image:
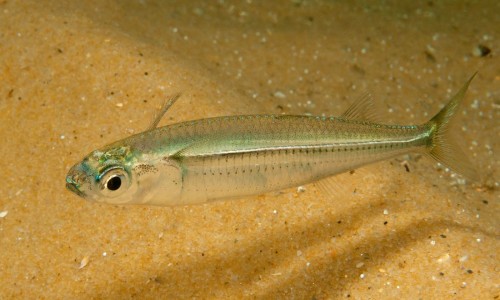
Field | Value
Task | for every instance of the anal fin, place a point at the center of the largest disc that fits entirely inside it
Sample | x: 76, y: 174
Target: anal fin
x: 342, y: 184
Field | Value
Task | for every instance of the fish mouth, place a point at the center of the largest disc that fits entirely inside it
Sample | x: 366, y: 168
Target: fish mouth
x: 72, y: 187
x: 77, y: 180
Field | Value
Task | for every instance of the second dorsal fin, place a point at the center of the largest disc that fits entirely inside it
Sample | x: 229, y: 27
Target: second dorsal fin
x: 363, y: 109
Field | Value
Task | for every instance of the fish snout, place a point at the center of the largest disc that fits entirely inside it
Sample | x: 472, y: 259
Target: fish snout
x: 75, y: 180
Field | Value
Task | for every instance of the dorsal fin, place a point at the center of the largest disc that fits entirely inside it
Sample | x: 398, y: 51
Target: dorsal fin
x: 168, y: 103
x: 362, y: 109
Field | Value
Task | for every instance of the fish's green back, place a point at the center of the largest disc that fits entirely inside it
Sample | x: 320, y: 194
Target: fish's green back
x: 222, y: 135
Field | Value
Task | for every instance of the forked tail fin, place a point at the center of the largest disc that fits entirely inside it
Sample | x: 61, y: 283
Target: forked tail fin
x: 443, y: 147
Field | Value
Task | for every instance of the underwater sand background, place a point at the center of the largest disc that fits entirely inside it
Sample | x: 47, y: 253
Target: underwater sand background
x: 78, y: 75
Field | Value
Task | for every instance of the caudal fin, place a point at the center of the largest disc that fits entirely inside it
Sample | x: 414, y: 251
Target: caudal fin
x: 443, y: 147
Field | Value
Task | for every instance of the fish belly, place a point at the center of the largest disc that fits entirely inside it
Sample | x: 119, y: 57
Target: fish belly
x: 256, y: 172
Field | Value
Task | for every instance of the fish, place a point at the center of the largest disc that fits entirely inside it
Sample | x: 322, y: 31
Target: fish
x: 230, y: 157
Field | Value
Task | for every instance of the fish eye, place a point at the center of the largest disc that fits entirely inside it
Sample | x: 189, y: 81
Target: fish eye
x: 113, y: 182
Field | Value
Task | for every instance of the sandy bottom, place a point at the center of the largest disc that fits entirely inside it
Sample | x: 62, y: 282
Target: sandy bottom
x: 75, y: 77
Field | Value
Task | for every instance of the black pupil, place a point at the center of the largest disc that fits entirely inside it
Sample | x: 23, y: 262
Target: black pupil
x: 114, y: 183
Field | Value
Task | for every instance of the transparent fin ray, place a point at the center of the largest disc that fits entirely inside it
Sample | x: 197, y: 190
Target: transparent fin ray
x: 444, y: 147
x: 363, y: 109
x: 335, y: 185
x: 161, y: 112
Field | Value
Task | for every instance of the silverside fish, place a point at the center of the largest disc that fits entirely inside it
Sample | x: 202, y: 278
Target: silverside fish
x: 234, y: 156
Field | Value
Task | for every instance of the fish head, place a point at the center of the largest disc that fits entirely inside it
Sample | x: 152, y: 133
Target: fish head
x: 117, y: 174
x: 103, y: 176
